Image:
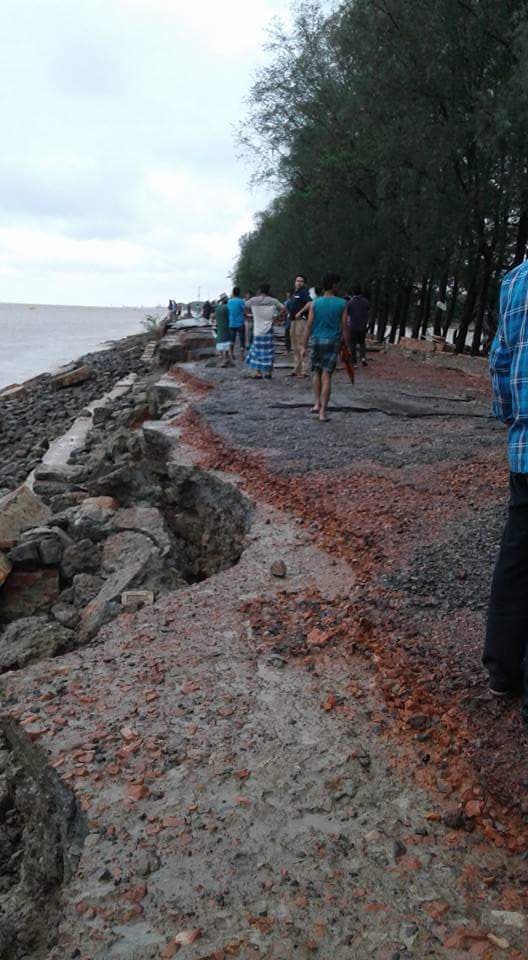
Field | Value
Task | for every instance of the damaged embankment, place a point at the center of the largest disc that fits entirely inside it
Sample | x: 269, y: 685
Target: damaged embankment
x: 41, y: 836
x: 119, y: 517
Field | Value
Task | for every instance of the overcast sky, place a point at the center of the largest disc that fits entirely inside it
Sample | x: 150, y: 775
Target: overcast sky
x: 119, y: 182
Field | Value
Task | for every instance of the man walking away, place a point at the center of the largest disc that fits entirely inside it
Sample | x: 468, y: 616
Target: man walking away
x: 358, y: 319
x: 207, y: 310
x: 327, y: 325
x: 265, y: 309
x: 223, y: 339
x: 296, y: 324
x: 237, y: 322
x: 505, y: 649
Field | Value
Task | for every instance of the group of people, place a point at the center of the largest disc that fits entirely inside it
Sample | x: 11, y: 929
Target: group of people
x: 326, y: 324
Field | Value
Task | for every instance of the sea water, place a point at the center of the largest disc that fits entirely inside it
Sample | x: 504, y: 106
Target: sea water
x: 37, y: 338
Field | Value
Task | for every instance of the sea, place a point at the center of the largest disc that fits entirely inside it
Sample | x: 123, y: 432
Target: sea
x: 38, y: 338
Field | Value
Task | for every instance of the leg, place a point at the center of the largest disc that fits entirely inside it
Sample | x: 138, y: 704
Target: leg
x: 317, y: 391
x: 296, y: 346
x: 242, y: 335
x: 326, y: 386
x: 507, y: 628
x: 363, y: 347
x: 287, y: 335
x: 232, y: 334
x: 353, y: 347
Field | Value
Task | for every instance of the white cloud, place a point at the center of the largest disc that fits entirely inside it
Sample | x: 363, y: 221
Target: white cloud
x: 118, y: 177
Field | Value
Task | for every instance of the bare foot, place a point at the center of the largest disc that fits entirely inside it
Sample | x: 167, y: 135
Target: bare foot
x: 314, y: 410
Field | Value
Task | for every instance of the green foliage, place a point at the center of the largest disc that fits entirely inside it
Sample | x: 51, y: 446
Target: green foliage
x: 395, y: 134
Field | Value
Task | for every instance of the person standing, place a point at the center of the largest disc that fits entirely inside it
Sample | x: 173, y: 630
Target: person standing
x: 296, y: 325
x: 264, y: 309
x: 326, y: 327
x: 223, y: 339
x: 506, y: 641
x: 207, y: 310
x: 237, y: 323
x: 358, y: 320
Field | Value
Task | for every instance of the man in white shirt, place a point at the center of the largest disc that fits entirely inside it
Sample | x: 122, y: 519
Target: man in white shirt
x: 264, y: 309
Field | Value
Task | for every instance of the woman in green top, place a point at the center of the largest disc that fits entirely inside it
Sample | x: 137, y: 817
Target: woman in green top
x: 327, y: 326
x: 223, y: 340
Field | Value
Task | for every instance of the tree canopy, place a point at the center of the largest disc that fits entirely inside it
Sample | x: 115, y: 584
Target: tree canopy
x: 394, y: 133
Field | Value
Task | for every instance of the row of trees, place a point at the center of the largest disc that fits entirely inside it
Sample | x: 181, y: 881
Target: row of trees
x: 395, y: 134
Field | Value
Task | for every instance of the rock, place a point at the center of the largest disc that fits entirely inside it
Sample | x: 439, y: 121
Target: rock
x: 186, y: 345
x: 82, y: 557
x: 62, y: 501
x: 50, y: 550
x: 32, y: 638
x: 133, y: 600
x: 5, y: 568
x: 510, y: 918
x: 19, y: 511
x: 100, y: 415
x: 71, y: 378
x: 25, y: 555
x: 147, y: 520
x: 27, y: 593
x: 129, y: 558
x: 58, y: 474
x: 278, y: 568
x: 66, y: 614
x: 85, y: 587
x: 100, y: 507
x: 109, y: 483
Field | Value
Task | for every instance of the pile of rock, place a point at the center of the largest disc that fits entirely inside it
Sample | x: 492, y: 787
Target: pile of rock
x: 35, y: 413
x: 115, y: 520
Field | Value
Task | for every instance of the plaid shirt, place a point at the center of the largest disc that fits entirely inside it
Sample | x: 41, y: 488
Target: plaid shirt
x: 509, y: 366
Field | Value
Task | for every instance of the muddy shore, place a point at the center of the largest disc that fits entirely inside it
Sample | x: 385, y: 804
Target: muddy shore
x: 291, y: 751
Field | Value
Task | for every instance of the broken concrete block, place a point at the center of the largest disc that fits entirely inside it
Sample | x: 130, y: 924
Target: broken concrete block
x: 20, y: 510
x: 71, y: 377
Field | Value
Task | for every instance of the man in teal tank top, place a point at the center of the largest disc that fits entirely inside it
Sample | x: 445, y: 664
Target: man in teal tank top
x: 327, y: 326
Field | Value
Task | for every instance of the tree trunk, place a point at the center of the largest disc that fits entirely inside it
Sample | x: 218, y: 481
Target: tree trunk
x: 452, y: 307
x: 469, y: 309
x: 373, y: 315
x: 396, y: 315
x: 404, y: 315
x: 427, y: 310
x: 439, y: 314
x: 420, y: 310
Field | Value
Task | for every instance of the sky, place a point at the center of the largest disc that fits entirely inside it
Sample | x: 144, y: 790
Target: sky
x: 119, y: 177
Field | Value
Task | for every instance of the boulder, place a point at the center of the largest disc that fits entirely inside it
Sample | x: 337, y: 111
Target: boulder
x: 110, y: 483
x: 32, y: 638
x: 81, y: 557
x: 128, y: 559
x: 5, y: 568
x: 66, y: 614
x: 20, y: 510
x: 25, y: 555
x: 50, y: 550
x: 71, y: 378
x: 85, y: 587
x: 146, y: 520
x: 26, y: 593
x: 186, y: 345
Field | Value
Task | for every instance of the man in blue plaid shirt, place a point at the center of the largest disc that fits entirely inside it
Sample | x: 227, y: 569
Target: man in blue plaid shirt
x: 507, y: 631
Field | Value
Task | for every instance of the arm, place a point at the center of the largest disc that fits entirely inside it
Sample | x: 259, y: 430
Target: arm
x: 500, y: 363
x: 304, y: 312
x: 345, y: 329
x: 309, y: 325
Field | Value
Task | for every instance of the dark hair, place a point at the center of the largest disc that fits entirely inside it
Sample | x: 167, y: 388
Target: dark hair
x: 357, y: 290
x: 301, y: 275
x: 264, y: 287
x: 236, y: 291
x: 318, y: 291
x: 330, y: 280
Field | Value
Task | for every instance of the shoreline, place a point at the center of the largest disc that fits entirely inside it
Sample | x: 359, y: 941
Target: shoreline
x: 33, y: 413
